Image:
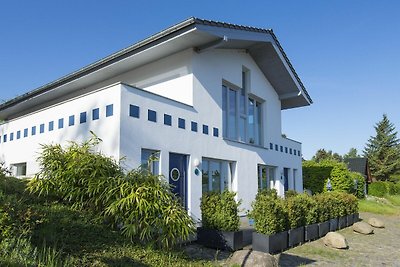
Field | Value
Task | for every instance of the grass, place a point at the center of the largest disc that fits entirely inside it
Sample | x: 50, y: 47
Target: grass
x: 316, y: 249
x: 389, y: 205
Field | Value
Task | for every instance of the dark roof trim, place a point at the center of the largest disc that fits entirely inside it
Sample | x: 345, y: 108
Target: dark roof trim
x: 142, y: 45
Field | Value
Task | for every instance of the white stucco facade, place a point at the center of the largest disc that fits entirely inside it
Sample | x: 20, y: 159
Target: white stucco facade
x: 173, y: 105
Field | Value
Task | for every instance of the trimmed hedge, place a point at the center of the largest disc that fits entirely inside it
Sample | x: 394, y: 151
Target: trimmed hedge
x: 315, y: 175
x: 381, y: 188
x: 219, y: 211
x: 271, y: 212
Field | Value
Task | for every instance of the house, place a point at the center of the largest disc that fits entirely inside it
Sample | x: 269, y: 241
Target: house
x: 361, y: 166
x: 205, y: 96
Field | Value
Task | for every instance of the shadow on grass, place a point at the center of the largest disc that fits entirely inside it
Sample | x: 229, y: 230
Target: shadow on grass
x: 292, y: 260
x: 123, y: 261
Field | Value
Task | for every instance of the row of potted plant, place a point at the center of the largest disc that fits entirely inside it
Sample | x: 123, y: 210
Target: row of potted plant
x: 298, y: 218
x: 279, y: 223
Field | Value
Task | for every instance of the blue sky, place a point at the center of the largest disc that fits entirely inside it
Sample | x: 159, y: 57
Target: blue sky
x: 345, y: 52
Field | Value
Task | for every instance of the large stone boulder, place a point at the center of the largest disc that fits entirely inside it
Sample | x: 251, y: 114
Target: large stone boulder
x: 376, y: 223
x: 363, y: 228
x: 249, y: 258
x: 335, y: 240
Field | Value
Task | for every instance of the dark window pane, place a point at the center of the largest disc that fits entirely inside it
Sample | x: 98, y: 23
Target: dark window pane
x: 42, y: 128
x: 194, y: 126
x: 18, y: 134
x: 51, y: 126
x: 60, y: 123
x: 33, y: 130
x: 205, y: 129
x: 152, y: 115
x: 95, y: 114
x: 71, y: 120
x: 134, y: 111
x: 109, y: 110
x: 271, y: 146
x: 181, y: 123
x: 26, y: 132
x: 167, y: 119
x: 215, y: 132
x: 11, y: 136
x: 82, y: 117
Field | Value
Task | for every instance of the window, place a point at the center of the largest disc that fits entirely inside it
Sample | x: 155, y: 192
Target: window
x: 215, y: 132
x: 217, y: 175
x: 242, y: 114
x: 181, y: 123
x: 51, y: 126
x: 194, y: 126
x: 11, y: 136
x: 71, y: 120
x: 95, y: 114
x: 33, y: 130
x: 60, y: 123
x: 42, y: 128
x: 134, y: 111
x: 271, y: 146
x: 4, y: 138
x: 167, y: 119
x: 281, y: 148
x: 286, y: 150
x: 109, y: 110
x: 152, y: 115
x: 82, y: 117
x: 276, y: 147
x: 294, y: 151
x: 290, y: 151
x: 150, y: 159
x: 205, y: 129
x: 26, y: 132
x: 19, y: 169
x: 266, y: 176
x: 298, y: 153
x: 18, y: 134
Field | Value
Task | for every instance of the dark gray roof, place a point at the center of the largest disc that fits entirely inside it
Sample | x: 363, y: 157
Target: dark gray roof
x: 357, y: 165
x: 141, y: 45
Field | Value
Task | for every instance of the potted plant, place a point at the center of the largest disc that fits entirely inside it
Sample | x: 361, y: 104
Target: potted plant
x: 220, y: 221
x: 323, y: 210
x: 311, y: 227
x: 296, y: 211
x: 270, y: 218
x: 341, y: 209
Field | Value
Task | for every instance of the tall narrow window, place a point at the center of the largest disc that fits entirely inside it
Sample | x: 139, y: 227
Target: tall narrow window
x: 266, y: 176
x: 150, y: 160
x: 71, y: 120
x: 95, y: 114
x: 82, y: 117
x: 109, y: 110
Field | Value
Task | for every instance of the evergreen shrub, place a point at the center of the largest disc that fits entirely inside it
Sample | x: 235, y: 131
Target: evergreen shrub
x: 269, y: 213
x: 377, y: 189
x: 219, y: 211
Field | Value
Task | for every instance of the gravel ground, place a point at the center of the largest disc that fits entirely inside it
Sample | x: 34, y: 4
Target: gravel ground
x: 379, y: 249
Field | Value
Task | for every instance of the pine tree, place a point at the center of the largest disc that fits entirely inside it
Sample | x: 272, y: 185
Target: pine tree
x: 383, y: 150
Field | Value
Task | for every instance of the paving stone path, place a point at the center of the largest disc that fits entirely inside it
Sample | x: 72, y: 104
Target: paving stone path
x: 379, y: 249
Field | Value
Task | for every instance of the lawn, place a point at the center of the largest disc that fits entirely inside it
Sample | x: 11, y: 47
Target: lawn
x: 389, y: 205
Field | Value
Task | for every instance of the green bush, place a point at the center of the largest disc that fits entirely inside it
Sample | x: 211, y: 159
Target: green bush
x: 311, y: 210
x: 141, y: 203
x: 290, y: 193
x: 377, y: 189
x: 359, y: 192
x: 315, y: 174
x: 220, y: 211
x: 341, y: 179
x: 296, y: 208
x: 324, y: 206
x: 4, y: 171
x: 268, y: 212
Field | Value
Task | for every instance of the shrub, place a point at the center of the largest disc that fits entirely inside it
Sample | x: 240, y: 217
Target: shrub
x: 141, y: 203
x: 377, y: 189
x: 359, y: 192
x: 268, y: 212
x: 220, y: 211
x: 324, y: 206
x: 341, y: 179
x: 311, y: 210
x: 290, y: 193
x: 4, y: 171
x: 315, y: 174
x: 297, y: 210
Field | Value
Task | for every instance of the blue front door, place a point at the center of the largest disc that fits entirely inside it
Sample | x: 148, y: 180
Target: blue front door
x: 177, y: 175
x: 286, y: 177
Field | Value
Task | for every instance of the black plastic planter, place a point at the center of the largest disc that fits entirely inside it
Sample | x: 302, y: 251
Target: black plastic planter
x: 270, y: 243
x: 356, y: 217
x: 323, y: 228
x: 342, y: 222
x: 333, y: 224
x: 311, y: 232
x: 350, y: 219
x: 211, y: 238
x: 296, y: 236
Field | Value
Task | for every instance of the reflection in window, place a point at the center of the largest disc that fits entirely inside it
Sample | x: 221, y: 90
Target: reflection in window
x: 150, y: 160
x: 216, y: 175
x: 266, y: 176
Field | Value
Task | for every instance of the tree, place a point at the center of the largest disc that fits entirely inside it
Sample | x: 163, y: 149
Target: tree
x: 322, y: 155
x: 383, y: 150
x: 353, y: 153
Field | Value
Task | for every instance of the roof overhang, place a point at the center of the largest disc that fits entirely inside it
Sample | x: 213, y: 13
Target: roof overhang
x: 192, y: 33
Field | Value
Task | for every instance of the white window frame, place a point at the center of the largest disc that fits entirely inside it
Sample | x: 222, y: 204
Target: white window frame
x: 229, y: 172
x: 154, y: 167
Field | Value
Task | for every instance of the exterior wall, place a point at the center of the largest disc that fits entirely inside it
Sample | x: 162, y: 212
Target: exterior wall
x: 185, y: 85
x: 26, y: 149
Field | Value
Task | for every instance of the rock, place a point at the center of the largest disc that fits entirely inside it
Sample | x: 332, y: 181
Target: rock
x: 247, y: 258
x: 363, y: 228
x: 335, y: 240
x: 376, y: 223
